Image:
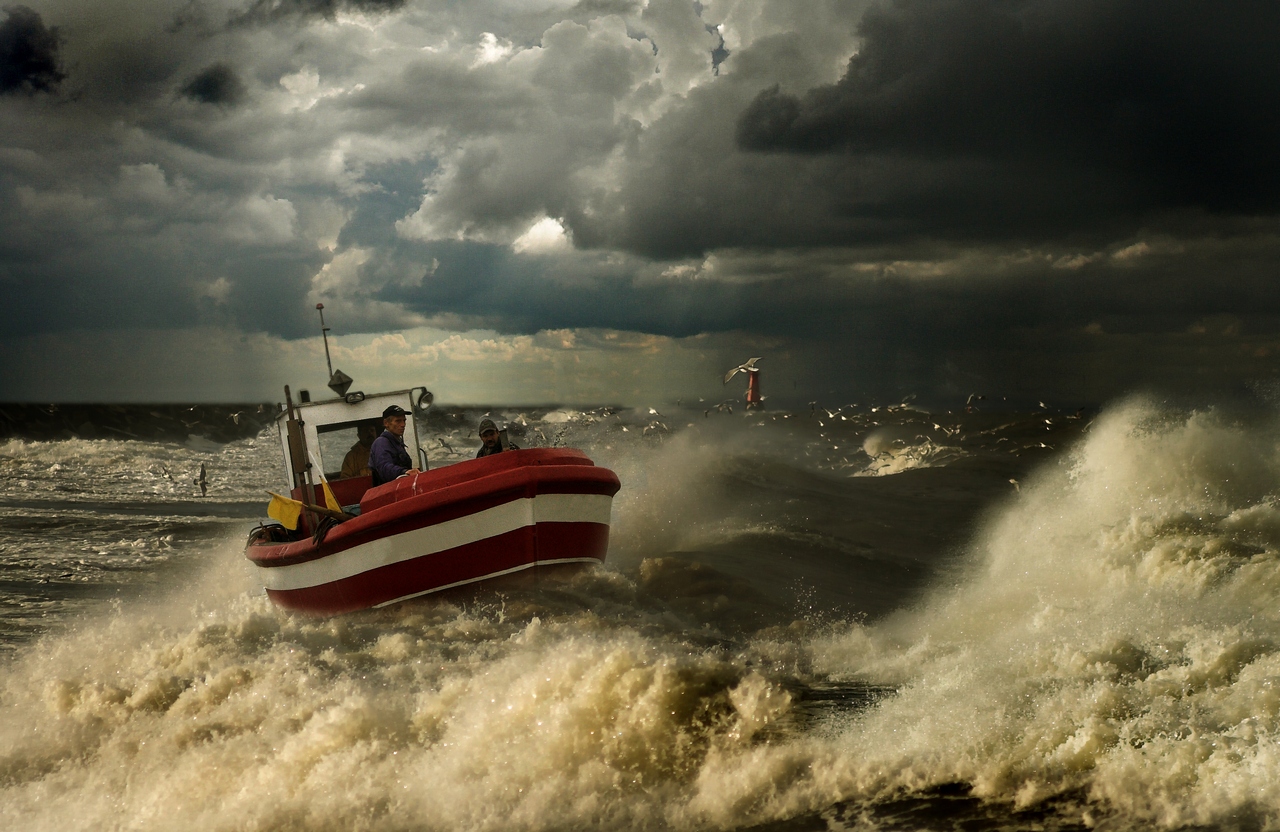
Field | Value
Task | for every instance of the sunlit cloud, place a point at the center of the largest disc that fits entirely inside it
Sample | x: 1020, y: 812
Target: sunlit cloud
x: 544, y: 236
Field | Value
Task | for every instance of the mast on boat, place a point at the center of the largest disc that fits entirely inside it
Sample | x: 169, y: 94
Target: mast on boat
x: 299, y: 462
x: 339, y: 382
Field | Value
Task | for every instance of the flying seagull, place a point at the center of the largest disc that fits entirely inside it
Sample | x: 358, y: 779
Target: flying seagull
x: 749, y: 367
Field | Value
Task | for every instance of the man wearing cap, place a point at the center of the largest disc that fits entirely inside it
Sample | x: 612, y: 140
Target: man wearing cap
x: 388, y: 457
x: 492, y: 440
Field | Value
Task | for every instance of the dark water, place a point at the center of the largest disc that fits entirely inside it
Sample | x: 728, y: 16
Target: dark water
x: 164, y: 422
x: 847, y: 619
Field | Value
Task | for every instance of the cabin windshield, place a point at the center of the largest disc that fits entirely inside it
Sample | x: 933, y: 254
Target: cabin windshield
x: 343, y: 438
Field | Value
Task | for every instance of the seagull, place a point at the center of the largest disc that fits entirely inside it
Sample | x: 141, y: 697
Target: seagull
x: 654, y: 412
x: 1016, y: 487
x: 749, y: 367
x: 235, y: 417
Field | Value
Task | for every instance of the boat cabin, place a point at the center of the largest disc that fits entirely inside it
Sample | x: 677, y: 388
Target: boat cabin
x: 323, y: 432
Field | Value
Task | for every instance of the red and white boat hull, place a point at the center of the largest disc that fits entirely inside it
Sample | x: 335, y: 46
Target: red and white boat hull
x: 442, y: 529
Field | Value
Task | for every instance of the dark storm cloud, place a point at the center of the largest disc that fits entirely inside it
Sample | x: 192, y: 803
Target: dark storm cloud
x: 985, y: 186
x: 1107, y: 109
x: 29, y: 59
x: 217, y: 84
x: 109, y: 285
x: 267, y: 10
x: 1157, y: 291
x: 1075, y: 328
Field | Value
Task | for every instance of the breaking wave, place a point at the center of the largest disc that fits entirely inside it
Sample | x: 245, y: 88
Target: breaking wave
x: 1103, y: 648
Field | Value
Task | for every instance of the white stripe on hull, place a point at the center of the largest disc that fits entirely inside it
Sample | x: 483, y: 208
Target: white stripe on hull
x: 525, y: 511
x: 490, y: 576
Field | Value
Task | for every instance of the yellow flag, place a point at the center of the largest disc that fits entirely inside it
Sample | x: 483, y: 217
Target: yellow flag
x: 285, y: 510
x: 329, y: 500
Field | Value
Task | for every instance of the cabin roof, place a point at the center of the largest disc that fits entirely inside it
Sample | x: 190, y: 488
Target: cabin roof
x: 337, y: 411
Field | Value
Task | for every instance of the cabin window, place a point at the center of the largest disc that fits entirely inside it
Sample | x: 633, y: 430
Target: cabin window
x: 338, y: 440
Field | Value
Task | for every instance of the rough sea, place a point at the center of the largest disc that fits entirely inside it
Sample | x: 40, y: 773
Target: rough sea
x: 829, y: 619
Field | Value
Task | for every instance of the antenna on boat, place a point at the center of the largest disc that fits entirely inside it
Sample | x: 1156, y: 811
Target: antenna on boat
x: 339, y: 382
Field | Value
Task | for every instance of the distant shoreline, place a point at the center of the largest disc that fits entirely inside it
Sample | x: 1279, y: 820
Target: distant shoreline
x: 153, y: 422
x: 168, y: 422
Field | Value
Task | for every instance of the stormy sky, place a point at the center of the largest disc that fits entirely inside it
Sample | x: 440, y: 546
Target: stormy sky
x: 617, y: 200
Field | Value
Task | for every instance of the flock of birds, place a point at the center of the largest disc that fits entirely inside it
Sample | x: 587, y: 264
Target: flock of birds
x: 935, y: 441
x: 201, y: 481
x: 920, y: 438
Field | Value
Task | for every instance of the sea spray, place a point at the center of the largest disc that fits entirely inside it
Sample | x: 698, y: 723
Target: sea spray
x: 1097, y: 644
x: 1115, y: 640
x: 424, y: 716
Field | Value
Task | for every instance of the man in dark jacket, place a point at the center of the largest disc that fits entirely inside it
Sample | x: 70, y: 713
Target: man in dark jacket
x: 388, y: 457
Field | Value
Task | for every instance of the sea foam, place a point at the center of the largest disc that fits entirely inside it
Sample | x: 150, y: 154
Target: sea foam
x: 1105, y: 649
x: 1114, y: 639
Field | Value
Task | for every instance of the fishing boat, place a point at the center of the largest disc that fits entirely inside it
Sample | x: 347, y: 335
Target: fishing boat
x: 356, y: 546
